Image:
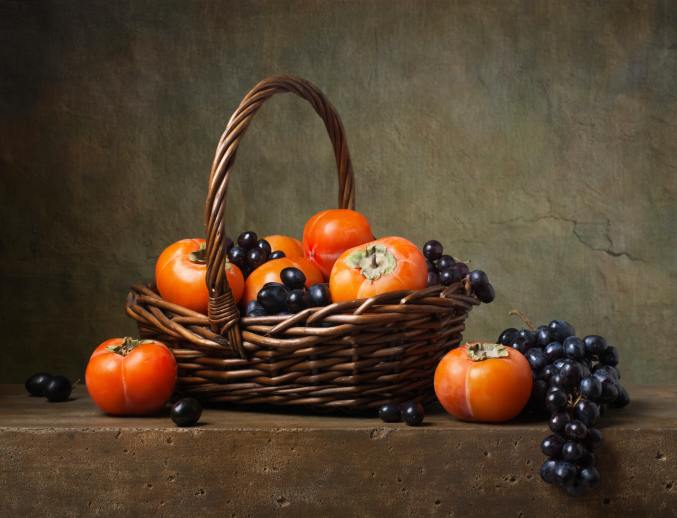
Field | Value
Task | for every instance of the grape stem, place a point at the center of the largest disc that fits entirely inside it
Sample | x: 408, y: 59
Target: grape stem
x: 526, y: 320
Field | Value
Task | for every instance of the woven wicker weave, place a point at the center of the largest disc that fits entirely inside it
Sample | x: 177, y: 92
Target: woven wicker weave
x: 355, y: 354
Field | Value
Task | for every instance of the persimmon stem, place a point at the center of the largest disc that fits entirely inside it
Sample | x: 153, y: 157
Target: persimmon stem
x: 526, y: 320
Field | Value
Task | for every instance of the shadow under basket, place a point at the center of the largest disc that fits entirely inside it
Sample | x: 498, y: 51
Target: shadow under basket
x: 356, y: 354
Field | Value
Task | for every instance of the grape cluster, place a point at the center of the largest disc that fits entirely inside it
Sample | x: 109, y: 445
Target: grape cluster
x: 289, y: 296
x: 250, y: 252
x: 444, y: 269
x: 575, y: 381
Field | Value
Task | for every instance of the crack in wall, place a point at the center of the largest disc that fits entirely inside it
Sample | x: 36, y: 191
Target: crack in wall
x: 608, y: 250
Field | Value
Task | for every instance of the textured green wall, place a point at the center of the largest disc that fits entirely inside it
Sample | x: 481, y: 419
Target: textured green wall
x: 537, y: 139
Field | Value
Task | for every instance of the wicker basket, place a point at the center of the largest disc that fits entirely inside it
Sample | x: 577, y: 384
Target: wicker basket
x: 355, y: 354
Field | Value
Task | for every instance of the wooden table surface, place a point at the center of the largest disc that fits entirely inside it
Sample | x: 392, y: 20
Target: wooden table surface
x: 71, y: 459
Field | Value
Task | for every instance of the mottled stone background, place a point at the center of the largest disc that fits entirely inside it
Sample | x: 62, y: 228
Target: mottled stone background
x: 537, y: 139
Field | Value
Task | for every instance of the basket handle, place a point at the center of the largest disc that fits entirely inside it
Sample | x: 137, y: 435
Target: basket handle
x: 223, y: 313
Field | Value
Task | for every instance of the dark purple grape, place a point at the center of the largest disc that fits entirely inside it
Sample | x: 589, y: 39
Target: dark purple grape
x: 450, y: 276
x: 585, y: 369
x: 609, y: 393
x: 412, y: 413
x: 444, y: 262
x: 478, y: 279
x: 431, y: 266
x: 229, y: 244
x: 252, y: 306
x: 526, y: 333
x: 256, y: 257
x: 604, y: 375
x: 589, y: 478
x: 265, y: 246
x: 35, y: 385
x: 595, y: 344
x: 591, y: 388
x: 576, y: 489
x: 186, y: 412
x: 277, y: 254
x: 575, y: 430
x: 561, y: 330
x: 552, y: 445
x: 293, y: 278
x: 238, y: 256
x: 587, y: 459
x: 548, y: 372
x: 543, y: 336
x: 565, y: 474
x: 433, y: 279
x: 593, y: 438
x: 486, y: 294
x: 602, y: 409
x: 276, y: 284
x: 574, y: 348
x: 297, y: 301
x: 622, y: 400
x: 610, y: 356
x: 272, y: 298
x: 389, y: 413
x: 57, y: 389
x: 320, y: 295
x: 521, y: 344
x: 539, y: 391
x: 586, y: 412
x: 258, y: 313
x: 463, y: 268
x: 571, y: 373
x: 548, y: 471
x: 558, y: 421
x: 432, y: 250
x: 507, y: 336
x: 572, y: 451
x: 553, y: 352
x: 247, y: 240
x: 557, y: 382
x: 556, y: 400
x: 536, y: 359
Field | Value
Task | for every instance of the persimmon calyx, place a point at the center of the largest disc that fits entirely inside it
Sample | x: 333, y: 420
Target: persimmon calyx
x: 482, y: 351
x: 374, y: 261
x: 200, y: 255
x: 127, y: 345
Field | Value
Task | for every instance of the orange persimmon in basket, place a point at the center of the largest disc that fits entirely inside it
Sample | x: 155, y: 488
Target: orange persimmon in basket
x: 330, y: 233
x: 291, y: 247
x: 387, y: 264
x: 270, y: 272
x: 180, y: 275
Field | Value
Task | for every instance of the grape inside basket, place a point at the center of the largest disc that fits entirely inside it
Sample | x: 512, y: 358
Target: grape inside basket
x: 353, y: 355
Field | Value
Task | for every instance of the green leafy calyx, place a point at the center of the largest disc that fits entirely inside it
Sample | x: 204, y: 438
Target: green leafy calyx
x: 484, y: 351
x: 128, y: 345
x: 373, y: 262
x: 200, y: 255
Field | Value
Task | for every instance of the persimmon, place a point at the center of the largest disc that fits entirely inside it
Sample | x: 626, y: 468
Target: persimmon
x: 180, y: 275
x: 387, y: 264
x: 270, y: 272
x: 291, y: 247
x: 330, y: 233
x: 131, y: 377
x: 483, y: 382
